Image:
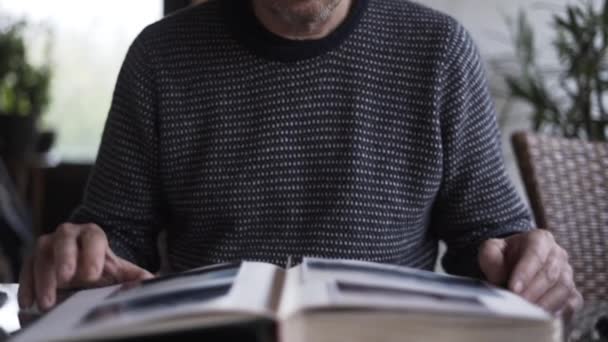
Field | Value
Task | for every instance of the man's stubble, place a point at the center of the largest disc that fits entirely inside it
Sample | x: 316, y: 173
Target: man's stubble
x: 303, y: 13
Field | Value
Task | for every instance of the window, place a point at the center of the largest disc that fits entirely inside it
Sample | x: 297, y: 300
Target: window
x: 89, y: 42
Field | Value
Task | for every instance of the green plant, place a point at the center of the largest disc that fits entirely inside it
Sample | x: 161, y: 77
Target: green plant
x: 24, y: 87
x: 570, y: 100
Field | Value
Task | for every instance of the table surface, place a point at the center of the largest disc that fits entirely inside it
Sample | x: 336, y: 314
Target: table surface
x: 9, y: 312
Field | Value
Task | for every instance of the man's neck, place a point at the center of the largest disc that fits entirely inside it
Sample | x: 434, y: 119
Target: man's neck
x: 301, y: 30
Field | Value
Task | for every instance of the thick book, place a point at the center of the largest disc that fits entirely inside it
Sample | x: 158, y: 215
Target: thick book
x: 318, y: 300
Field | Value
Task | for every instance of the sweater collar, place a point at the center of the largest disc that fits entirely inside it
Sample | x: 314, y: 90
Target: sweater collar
x: 248, y: 30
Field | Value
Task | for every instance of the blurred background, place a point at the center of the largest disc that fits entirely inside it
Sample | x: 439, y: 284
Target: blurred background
x: 58, y: 64
x: 545, y: 60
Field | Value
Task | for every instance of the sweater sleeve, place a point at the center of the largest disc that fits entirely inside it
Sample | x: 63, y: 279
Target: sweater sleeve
x: 123, y: 193
x: 476, y: 201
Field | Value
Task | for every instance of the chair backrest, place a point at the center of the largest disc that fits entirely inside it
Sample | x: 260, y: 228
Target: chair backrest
x: 566, y: 181
x: 16, y: 234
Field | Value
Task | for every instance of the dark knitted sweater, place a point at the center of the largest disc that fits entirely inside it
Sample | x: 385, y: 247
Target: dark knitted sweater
x: 372, y: 143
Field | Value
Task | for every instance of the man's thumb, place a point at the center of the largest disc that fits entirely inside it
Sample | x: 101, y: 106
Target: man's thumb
x: 492, y: 261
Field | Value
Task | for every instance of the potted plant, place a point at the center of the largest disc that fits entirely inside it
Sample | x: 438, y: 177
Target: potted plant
x: 24, y: 93
x: 570, y: 99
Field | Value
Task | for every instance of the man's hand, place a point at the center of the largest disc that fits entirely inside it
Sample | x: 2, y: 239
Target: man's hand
x: 74, y: 256
x: 534, y: 266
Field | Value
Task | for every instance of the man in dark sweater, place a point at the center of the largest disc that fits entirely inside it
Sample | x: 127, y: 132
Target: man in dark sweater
x: 265, y: 129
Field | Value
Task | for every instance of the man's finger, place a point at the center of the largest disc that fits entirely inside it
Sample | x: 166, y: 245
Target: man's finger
x: 120, y: 270
x: 65, y: 252
x: 557, y: 297
x: 93, y: 248
x: 545, y: 278
x: 45, y: 283
x: 26, y: 284
x: 130, y: 272
x: 574, y: 304
x: 534, y: 256
x: 492, y: 261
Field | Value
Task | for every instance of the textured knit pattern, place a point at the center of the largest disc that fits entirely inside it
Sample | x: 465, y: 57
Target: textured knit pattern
x: 374, y: 149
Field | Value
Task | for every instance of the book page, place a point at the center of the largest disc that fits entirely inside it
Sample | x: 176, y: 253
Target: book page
x: 256, y: 288
x: 319, y: 284
x: 298, y: 294
x: 209, y: 294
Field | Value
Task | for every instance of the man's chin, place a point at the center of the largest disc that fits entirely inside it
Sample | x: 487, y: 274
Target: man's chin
x: 305, y: 12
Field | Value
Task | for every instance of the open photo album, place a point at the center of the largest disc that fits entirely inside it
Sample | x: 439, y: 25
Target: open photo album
x: 317, y: 300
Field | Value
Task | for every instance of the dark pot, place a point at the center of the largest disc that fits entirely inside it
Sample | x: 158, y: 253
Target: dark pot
x: 45, y: 141
x: 17, y: 136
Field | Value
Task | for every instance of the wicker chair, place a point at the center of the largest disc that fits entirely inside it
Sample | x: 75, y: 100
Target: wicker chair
x: 567, y: 184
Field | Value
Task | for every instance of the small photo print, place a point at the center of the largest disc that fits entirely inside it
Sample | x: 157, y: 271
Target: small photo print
x: 226, y: 271
x: 372, y: 296
x: 389, y: 271
x: 167, y: 299
x: 353, y: 288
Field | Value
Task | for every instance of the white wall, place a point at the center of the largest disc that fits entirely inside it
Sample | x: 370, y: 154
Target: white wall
x: 486, y: 20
